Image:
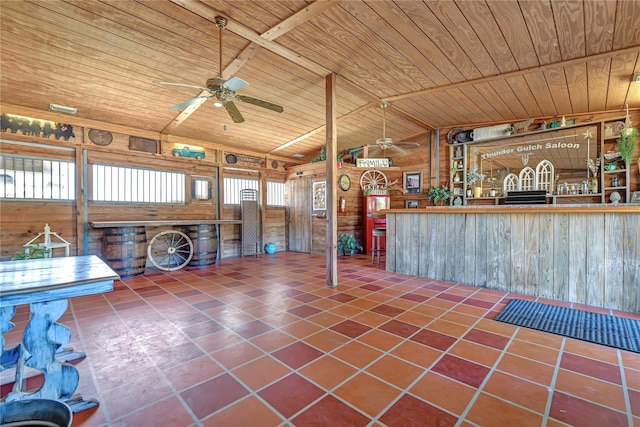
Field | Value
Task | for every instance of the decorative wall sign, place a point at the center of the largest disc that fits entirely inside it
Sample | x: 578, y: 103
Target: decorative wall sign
x: 243, y: 159
x: 35, y: 127
x: 186, y: 151
x: 143, y: 144
x: 373, y: 163
x: 320, y: 196
x: 100, y: 137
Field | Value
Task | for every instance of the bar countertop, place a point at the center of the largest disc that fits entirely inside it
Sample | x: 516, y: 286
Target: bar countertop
x: 500, y: 209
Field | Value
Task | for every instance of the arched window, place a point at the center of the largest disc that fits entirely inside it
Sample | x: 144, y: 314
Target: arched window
x: 510, y: 183
x: 544, y: 176
x: 527, y: 179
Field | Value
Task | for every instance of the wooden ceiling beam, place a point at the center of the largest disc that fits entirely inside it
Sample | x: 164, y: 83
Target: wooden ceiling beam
x: 312, y: 10
x: 323, y: 127
x: 210, y: 14
x: 257, y: 41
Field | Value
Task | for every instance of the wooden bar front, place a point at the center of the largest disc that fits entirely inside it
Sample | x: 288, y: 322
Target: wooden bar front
x: 588, y: 254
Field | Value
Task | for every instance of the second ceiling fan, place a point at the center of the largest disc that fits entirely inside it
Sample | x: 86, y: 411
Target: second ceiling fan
x: 223, y: 91
x: 379, y: 149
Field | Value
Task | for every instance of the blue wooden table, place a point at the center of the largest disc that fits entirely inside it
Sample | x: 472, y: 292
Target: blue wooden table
x: 46, y: 284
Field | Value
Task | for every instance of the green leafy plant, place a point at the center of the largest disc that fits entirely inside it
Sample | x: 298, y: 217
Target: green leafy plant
x: 323, y: 155
x: 348, y: 244
x: 33, y: 251
x: 627, y: 144
x: 473, y: 175
x: 437, y: 194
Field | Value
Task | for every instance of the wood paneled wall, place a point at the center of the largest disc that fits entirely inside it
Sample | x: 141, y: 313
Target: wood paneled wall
x: 22, y: 220
x: 350, y: 221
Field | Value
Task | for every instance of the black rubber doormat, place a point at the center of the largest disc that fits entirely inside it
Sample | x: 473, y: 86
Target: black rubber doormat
x: 613, y: 331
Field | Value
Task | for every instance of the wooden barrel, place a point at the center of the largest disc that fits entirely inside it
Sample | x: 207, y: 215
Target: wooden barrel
x: 125, y: 250
x: 205, y: 244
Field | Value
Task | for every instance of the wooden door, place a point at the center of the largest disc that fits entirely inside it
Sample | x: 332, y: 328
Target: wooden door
x: 300, y: 215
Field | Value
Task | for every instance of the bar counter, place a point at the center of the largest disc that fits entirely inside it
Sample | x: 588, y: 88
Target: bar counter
x: 587, y: 254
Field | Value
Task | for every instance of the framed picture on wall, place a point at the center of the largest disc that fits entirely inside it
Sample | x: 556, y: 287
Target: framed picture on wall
x: 412, y: 182
x: 319, y: 196
x: 412, y: 204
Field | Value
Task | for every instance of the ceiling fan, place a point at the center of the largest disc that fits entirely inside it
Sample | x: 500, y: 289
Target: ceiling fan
x: 379, y: 149
x: 223, y: 91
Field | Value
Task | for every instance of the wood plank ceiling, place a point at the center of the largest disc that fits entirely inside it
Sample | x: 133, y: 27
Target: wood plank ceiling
x: 440, y: 64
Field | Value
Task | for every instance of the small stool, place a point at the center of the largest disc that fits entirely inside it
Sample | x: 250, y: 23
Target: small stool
x: 378, y: 231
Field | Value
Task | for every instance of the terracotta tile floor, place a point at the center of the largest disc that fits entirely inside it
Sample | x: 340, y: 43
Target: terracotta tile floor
x: 262, y: 341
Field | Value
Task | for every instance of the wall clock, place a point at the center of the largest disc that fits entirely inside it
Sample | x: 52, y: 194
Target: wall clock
x: 345, y: 182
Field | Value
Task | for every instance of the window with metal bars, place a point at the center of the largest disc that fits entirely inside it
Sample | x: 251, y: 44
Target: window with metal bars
x: 233, y: 186
x: 137, y: 185
x: 23, y: 177
x: 275, y: 194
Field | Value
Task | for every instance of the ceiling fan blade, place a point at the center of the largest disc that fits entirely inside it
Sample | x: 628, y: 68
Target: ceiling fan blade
x: 233, y: 112
x: 235, y: 83
x: 260, y: 103
x: 373, y: 151
x: 408, y: 144
x: 179, y: 84
x: 398, y: 149
x: 187, y: 103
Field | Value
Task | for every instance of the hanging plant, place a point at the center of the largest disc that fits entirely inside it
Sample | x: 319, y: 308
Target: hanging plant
x: 627, y: 144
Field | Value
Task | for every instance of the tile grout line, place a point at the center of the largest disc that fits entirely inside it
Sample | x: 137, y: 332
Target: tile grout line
x: 493, y: 368
x: 625, y: 389
x: 554, y: 378
x: 174, y: 391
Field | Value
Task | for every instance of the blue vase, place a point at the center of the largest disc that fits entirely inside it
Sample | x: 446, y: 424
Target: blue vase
x: 270, y: 248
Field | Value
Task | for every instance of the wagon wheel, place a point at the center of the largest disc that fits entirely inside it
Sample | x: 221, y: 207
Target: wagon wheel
x: 170, y: 250
x: 374, y: 180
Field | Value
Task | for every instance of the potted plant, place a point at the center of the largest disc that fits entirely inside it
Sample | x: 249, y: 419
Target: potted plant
x: 348, y: 244
x: 34, y: 251
x: 439, y: 194
x: 474, y: 176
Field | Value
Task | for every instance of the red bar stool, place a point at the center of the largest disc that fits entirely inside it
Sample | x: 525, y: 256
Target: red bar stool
x: 378, y: 231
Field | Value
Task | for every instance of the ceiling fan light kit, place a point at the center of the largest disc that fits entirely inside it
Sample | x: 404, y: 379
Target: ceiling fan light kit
x: 386, y: 143
x: 223, y: 91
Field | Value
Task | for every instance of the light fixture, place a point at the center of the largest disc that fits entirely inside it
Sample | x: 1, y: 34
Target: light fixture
x: 62, y: 108
x: 297, y: 155
x: 218, y: 104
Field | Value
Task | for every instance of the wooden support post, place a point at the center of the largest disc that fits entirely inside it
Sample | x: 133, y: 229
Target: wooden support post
x: 332, y: 179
